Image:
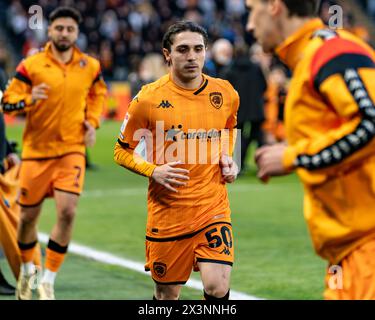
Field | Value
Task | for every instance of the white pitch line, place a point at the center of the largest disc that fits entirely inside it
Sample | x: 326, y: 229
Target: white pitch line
x: 108, y: 258
x: 143, y: 191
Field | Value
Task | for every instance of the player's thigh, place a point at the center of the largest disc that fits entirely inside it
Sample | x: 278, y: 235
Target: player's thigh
x: 214, y: 256
x: 170, y: 262
x: 215, y: 276
x: 35, y: 182
x: 70, y: 174
x: 30, y: 214
x: 215, y: 244
x: 66, y: 204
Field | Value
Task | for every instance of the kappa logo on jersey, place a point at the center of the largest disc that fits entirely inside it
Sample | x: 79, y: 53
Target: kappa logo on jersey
x: 160, y: 269
x: 226, y: 251
x: 216, y: 99
x: 165, y: 104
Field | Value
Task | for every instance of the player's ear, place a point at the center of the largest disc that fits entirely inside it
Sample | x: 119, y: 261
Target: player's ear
x: 49, y: 31
x: 167, y: 56
x: 275, y: 7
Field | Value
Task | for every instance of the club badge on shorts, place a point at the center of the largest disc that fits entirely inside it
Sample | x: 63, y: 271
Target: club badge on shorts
x: 160, y: 269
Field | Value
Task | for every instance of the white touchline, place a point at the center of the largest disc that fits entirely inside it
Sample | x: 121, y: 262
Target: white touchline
x: 143, y: 191
x: 108, y: 258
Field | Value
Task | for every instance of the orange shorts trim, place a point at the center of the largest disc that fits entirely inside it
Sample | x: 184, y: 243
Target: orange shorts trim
x: 354, y: 277
x: 39, y: 178
x: 171, y: 262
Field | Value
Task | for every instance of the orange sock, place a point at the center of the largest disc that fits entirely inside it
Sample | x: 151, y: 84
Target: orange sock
x: 55, y: 255
x: 27, y: 251
x: 53, y: 260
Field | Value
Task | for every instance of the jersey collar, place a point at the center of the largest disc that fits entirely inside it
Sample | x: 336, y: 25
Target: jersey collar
x: 290, y: 51
x: 190, y: 92
x: 77, y: 54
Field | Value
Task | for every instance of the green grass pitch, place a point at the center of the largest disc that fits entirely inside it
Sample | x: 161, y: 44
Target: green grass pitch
x: 274, y: 255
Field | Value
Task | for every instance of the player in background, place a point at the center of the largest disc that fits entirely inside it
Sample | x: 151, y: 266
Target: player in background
x: 330, y: 129
x: 62, y: 92
x: 189, y: 224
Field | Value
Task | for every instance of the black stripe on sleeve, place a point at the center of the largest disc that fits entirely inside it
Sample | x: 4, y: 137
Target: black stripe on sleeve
x: 340, y: 64
x: 124, y: 144
x: 23, y: 78
x: 9, y: 107
x: 349, y: 144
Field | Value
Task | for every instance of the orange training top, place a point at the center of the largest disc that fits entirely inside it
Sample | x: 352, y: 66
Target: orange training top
x: 184, y: 125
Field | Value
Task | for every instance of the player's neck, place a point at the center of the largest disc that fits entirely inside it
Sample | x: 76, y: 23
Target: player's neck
x: 189, y: 84
x: 63, y: 57
x: 292, y: 25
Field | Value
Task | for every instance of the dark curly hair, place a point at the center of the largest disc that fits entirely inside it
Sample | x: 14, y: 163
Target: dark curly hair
x: 179, y: 27
x: 65, y: 12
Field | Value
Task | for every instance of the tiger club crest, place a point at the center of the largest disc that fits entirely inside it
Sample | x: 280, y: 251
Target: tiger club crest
x: 160, y: 269
x: 216, y: 99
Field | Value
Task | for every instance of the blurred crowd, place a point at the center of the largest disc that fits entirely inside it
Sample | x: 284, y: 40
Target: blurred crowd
x: 349, y: 21
x: 368, y: 6
x: 121, y: 32
x: 125, y: 35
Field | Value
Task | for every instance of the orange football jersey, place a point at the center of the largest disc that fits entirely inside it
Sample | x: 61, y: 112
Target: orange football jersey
x: 183, y: 125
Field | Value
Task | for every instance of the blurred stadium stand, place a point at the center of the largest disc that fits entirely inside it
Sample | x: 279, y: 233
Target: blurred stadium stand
x: 125, y: 35
x: 121, y: 32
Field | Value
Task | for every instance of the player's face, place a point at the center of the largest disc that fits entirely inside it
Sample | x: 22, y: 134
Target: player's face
x: 187, y: 55
x: 262, y: 24
x: 63, y: 33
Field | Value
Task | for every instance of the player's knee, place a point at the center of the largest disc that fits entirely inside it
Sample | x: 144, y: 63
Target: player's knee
x: 216, y: 290
x: 168, y: 296
x: 167, y: 292
x: 28, y: 218
x: 67, y: 215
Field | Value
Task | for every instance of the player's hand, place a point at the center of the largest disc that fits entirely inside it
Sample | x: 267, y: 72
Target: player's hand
x: 12, y: 160
x: 269, y: 160
x: 90, y: 134
x: 169, y: 176
x: 39, y: 92
x: 229, y: 169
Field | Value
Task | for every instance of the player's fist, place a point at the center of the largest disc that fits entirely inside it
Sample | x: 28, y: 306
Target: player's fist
x: 90, y: 134
x: 13, y: 160
x: 269, y: 160
x: 229, y: 169
x: 39, y: 92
